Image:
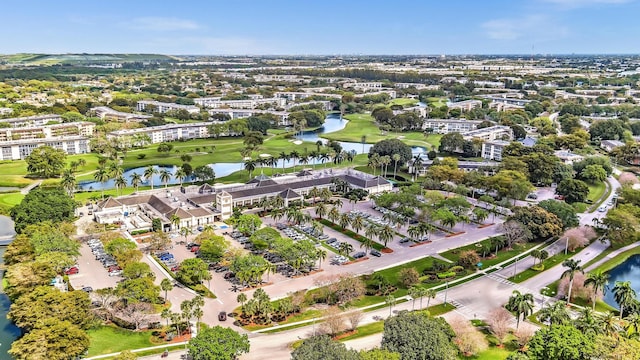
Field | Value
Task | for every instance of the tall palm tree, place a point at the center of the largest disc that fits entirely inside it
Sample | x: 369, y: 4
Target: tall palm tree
x: 555, y: 314
x: 294, y: 155
x: 165, y: 176
x: 149, y: 171
x: 120, y: 183
x: 395, y: 158
x: 322, y: 255
x: 623, y: 294
x: 345, y: 248
x: 180, y: 175
x: 321, y: 210
x: 250, y: 165
x: 430, y: 294
x: 68, y: 181
x: 416, y: 163
x: 136, y: 179
x: 587, y: 322
x: 413, y: 232
x: 385, y: 235
x: 521, y: 304
x: 371, y: 231
x: 115, y: 170
x: 374, y: 162
x: 102, y: 176
x: 414, y: 292
x: 384, y: 163
x: 175, y: 221
x: 344, y: 221
x: 357, y: 223
x: 314, y: 193
x: 284, y: 157
x: 334, y: 214
x: 242, y: 299
x: 598, y: 281
x: 573, y: 267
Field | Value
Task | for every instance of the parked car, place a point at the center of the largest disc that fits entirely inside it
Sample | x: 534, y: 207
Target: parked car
x: 72, y: 270
x: 359, y: 255
x: 602, y: 208
x: 375, y: 253
x: 222, y: 316
x: 87, y: 289
x: 115, y: 273
x: 195, y: 248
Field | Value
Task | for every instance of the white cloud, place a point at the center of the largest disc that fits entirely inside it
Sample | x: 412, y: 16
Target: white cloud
x: 162, y: 24
x: 531, y: 28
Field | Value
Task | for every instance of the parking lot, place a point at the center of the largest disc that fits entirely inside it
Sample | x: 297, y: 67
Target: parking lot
x: 91, y: 272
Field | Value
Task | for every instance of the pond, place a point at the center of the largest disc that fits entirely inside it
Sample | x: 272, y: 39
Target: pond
x: 629, y: 270
x: 7, y: 232
x: 332, y: 123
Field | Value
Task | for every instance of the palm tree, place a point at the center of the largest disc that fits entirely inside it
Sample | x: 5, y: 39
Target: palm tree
x: 363, y: 140
x: 102, y: 176
x: 175, y: 221
x: 357, y: 223
x: 242, y: 299
x: 430, y: 294
x: 250, y: 165
x: 294, y: 155
x: 136, y: 179
x: 385, y: 235
x: 413, y: 232
x: 555, y: 314
x: 180, y: 175
x: 623, y: 294
x: 609, y: 324
x: 344, y: 220
x: 284, y: 157
x: 633, y: 325
x: 416, y: 163
x: 334, y: 214
x: 391, y: 300
x: 322, y: 255
x: 385, y: 161
x: 345, y: 248
x: 120, y: 183
x: 395, y: 158
x: 521, y: 304
x: 573, y: 266
x: 166, y: 286
x: 165, y: 176
x: 598, y: 281
x: 149, y: 171
x: 321, y: 210
x: 587, y: 322
x: 415, y: 292
x: 115, y: 170
x: 68, y: 181
x: 185, y: 231
x: 374, y: 162
x: 314, y: 193
x: 166, y: 314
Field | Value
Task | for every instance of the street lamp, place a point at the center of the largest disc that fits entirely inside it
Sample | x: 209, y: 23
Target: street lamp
x: 446, y: 288
x: 566, y: 246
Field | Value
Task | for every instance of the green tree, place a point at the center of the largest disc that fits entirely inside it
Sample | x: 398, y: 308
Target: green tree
x: 560, y: 342
x: 520, y: 304
x: 192, y: 271
x: 43, y: 205
x: 624, y: 295
x: 593, y: 174
x: 248, y: 223
x: 573, y: 190
x: 46, y: 162
x: 418, y: 336
x: 218, y: 343
x: 213, y: 247
x: 166, y: 286
x: 137, y: 270
x: 555, y: 314
x: 389, y: 147
x: 573, y: 267
x: 321, y: 348
x: 541, y: 223
x: 52, y: 339
x: 598, y: 281
x: 565, y: 212
x: 165, y: 148
x: 451, y: 143
x: 149, y: 172
x: 139, y: 290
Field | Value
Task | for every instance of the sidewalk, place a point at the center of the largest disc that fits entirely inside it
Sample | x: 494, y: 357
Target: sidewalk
x: 611, y: 255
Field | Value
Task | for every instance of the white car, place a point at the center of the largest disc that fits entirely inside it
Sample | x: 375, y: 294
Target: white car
x: 602, y: 208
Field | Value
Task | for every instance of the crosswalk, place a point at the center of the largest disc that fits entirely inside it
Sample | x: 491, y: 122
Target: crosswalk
x: 508, y: 282
x: 461, y: 309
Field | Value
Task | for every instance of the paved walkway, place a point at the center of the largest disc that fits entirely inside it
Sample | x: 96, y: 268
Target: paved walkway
x: 25, y: 190
x: 611, y: 255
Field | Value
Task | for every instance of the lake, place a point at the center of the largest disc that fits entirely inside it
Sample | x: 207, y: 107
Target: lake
x: 332, y: 123
x: 7, y: 232
x: 627, y: 271
x: 8, y: 331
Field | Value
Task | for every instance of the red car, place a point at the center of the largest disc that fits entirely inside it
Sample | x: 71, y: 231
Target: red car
x: 113, y: 268
x: 195, y: 249
x: 72, y: 270
x: 175, y: 268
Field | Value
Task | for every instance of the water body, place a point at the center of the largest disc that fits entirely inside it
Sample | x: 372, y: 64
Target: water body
x: 627, y: 271
x: 7, y: 232
x: 8, y: 331
x: 332, y: 123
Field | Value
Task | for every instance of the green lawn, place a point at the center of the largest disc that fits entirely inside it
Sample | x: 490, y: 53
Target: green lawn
x: 492, y: 353
x: 404, y: 102
x: 548, y: 264
x: 391, y: 274
x: 608, y: 265
x: 488, y: 261
x: 9, y: 200
x: 365, y: 330
x: 596, y: 191
x: 364, y: 125
x: 107, y: 339
x: 437, y: 101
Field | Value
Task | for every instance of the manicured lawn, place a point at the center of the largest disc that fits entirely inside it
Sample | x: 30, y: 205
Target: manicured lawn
x: 488, y: 261
x: 366, y: 330
x: 437, y: 310
x: 492, y: 353
x: 404, y: 101
x: 437, y: 101
x: 596, y: 191
x: 548, y: 264
x: 107, y: 339
x: 9, y: 200
x: 391, y: 274
x: 608, y: 265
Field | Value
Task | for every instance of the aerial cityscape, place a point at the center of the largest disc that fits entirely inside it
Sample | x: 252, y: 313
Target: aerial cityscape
x: 320, y: 180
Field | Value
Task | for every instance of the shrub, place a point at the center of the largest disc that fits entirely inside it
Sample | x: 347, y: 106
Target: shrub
x: 468, y: 259
x: 445, y: 275
x: 456, y: 268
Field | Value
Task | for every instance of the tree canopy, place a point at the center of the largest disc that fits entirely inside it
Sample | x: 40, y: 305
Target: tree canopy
x: 218, y: 343
x: 389, y: 147
x: 418, y: 336
x: 43, y: 205
x: 46, y: 162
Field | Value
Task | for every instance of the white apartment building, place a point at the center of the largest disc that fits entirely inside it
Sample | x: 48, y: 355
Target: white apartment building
x: 162, y: 107
x: 108, y: 113
x: 498, y: 132
x: 296, y: 95
x: 217, y: 103
x: 84, y: 129
x: 36, y: 120
x: 417, y: 86
x: 245, y: 113
x: 169, y: 132
x: 20, y: 149
x: 466, y: 105
x: 445, y: 126
x: 492, y: 150
x: 366, y: 86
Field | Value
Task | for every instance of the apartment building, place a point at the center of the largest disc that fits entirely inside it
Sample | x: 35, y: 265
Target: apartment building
x: 162, y: 107
x: 492, y: 150
x: 169, y: 132
x: 498, y: 132
x: 36, y: 120
x: 296, y: 95
x: 47, y: 131
x: 107, y: 113
x: 20, y: 149
x: 466, y: 105
x: 217, y: 103
x: 417, y: 86
x: 365, y: 86
x: 245, y: 113
x: 445, y: 126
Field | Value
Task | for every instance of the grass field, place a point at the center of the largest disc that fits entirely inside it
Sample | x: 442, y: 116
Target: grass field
x: 437, y: 101
x: 404, y: 102
x: 107, y: 339
x: 502, y: 255
x: 364, y: 125
x: 596, y: 191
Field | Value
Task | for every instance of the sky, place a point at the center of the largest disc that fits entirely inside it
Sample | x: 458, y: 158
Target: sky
x: 321, y: 27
